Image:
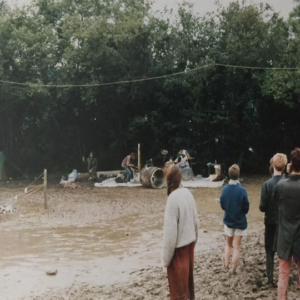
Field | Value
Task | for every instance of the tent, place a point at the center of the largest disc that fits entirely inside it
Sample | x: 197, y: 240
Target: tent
x: 2, y: 170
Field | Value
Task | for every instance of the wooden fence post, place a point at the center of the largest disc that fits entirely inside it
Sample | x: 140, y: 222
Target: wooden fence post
x: 139, y: 157
x: 45, y: 189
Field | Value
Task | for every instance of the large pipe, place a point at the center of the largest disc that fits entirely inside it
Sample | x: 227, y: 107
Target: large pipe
x: 152, y: 178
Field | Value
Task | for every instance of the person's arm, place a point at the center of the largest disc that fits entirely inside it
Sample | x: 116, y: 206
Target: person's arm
x: 88, y: 164
x: 245, y: 203
x: 170, y: 232
x: 263, y: 206
x: 222, y: 201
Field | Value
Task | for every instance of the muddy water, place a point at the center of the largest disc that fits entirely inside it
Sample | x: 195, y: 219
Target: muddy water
x: 98, y: 256
x: 79, y: 242
x: 88, y: 254
x: 99, y: 253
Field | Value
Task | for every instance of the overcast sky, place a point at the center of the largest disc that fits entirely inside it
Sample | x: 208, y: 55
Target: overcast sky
x: 203, y: 6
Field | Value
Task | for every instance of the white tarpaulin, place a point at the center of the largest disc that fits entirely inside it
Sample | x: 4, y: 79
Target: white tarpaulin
x: 111, y: 182
x: 195, y: 183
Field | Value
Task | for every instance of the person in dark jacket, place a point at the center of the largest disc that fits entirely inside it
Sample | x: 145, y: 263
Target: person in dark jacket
x: 270, y: 208
x: 234, y: 201
x: 92, y: 166
x: 287, y: 193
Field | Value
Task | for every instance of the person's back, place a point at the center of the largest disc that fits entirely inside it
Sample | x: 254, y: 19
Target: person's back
x: 269, y: 205
x: 125, y: 161
x: 234, y: 202
x: 181, y: 209
x: 180, y: 236
x: 287, y: 193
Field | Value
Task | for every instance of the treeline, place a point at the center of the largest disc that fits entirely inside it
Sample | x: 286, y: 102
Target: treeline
x: 225, y: 113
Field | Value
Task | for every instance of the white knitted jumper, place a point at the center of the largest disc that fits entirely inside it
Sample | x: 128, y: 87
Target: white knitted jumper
x: 180, y: 223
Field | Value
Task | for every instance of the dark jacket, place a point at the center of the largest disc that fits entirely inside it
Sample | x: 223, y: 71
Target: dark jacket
x: 234, y: 200
x: 287, y: 193
x: 92, y: 163
x: 268, y: 205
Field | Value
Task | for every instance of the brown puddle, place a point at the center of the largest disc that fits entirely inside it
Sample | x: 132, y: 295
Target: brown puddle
x: 73, y: 242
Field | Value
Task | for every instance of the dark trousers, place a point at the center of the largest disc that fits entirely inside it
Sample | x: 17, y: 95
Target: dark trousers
x: 93, y: 174
x: 270, y: 231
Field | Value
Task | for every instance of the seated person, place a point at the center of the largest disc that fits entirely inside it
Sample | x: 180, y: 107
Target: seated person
x: 92, y: 166
x: 182, y: 159
x: 127, y: 165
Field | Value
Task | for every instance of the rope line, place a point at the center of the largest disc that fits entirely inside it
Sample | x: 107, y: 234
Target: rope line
x: 27, y: 192
x: 143, y: 79
x: 35, y: 180
x: 38, y: 188
x: 256, y: 68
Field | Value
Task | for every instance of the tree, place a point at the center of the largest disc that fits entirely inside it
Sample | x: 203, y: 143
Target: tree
x: 215, y: 112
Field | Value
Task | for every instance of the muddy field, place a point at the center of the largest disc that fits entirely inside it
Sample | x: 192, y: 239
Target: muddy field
x: 105, y: 243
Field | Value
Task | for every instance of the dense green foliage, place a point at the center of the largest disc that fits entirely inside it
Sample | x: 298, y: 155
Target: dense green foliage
x: 77, y: 42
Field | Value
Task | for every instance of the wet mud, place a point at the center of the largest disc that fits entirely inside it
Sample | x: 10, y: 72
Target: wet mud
x: 211, y: 281
x: 106, y: 244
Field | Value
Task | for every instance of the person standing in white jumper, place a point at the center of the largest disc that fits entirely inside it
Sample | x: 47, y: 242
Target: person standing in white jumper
x: 180, y: 236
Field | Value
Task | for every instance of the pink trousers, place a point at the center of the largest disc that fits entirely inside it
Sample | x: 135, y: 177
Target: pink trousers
x: 284, y: 276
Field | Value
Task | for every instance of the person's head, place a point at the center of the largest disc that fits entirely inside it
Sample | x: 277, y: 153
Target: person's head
x: 234, y: 172
x: 183, y: 153
x: 173, y: 178
x: 279, y: 162
x: 133, y: 155
x: 295, y: 160
x: 91, y: 154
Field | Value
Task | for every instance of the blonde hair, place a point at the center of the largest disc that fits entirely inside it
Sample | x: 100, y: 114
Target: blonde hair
x: 279, y: 161
x: 173, y: 178
x: 234, y: 172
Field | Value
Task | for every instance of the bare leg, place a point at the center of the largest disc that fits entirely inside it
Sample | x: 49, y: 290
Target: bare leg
x: 228, y: 248
x: 298, y: 266
x: 284, y: 275
x: 237, y: 240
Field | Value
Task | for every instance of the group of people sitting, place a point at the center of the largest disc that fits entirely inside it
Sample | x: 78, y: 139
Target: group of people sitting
x: 280, y: 201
